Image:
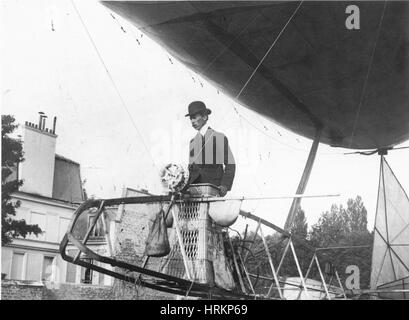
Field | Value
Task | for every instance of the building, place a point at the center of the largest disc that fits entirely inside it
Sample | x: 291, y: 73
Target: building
x: 51, y: 192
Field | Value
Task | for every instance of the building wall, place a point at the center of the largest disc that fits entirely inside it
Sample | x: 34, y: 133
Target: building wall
x: 131, y: 231
x: 17, y: 290
x: 26, y: 290
x: 68, y: 291
x: 54, y: 219
x: 37, y: 170
x: 51, y: 184
x: 33, y: 266
x: 130, y: 226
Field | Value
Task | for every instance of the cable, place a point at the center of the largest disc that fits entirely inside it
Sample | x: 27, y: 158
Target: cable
x: 228, y: 46
x: 113, y: 83
x: 379, y: 151
x: 261, y: 61
x: 271, y: 137
x: 406, y: 147
x: 282, y: 143
x: 367, y: 75
x: 268, y: 51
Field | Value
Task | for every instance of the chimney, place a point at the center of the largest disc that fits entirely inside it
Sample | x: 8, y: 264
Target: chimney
x: 43, y: 127
x: 40, y: 122
x: 37, y: 169
x: 55, y: 122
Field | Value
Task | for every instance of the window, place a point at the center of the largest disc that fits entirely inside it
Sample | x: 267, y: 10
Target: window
x: 98, y: 230
x: 17, y: 264
x: 40, y: 219
x: 86, y: 274
x: 47, y: 269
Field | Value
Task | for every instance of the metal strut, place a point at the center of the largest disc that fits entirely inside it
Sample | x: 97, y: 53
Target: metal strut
x: 304, y: 180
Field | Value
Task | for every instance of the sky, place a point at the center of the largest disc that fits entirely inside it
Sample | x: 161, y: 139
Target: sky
x: 120, y: 102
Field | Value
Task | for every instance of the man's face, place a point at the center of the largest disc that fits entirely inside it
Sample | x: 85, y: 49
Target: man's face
x: 198, y: 120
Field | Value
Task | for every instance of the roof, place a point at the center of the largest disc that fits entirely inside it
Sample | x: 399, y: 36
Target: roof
x: 67, y: 185
x: 60, y: 157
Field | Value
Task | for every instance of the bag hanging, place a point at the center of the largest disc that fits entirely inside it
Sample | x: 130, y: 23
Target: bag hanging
x: 157, y: 243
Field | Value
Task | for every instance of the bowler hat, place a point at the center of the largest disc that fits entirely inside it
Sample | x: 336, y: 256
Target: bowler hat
x: 196, y: 107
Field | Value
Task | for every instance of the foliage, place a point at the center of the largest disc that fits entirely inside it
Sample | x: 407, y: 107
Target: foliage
x: 345, y: 227
x: 340, y: 226
x: 258, y: 263
x: 12, y: 154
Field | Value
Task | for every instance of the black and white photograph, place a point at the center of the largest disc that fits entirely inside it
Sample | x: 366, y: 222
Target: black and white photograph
x: 210, y: 152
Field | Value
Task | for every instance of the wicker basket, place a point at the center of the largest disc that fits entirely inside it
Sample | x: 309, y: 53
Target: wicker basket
x: 201, y: 238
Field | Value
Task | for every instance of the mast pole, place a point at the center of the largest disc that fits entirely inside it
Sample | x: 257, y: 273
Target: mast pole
x: 304, y: 180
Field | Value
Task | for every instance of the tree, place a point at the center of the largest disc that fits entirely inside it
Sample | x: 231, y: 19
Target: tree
x: 258, y: 263
x: 345, y: 227
x: 12, y: 154
x: 300, y: 225
x: 299, y: 230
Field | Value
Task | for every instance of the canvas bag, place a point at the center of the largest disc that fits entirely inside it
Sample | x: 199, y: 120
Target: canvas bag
x: 157, y: 243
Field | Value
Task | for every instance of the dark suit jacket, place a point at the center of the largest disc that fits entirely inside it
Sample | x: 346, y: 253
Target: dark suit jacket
x: 211, y: 160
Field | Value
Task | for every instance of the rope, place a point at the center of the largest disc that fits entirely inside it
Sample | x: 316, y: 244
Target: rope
x: 228, y: 46
x: 261, y: 61
x: 367, y: 75
x: 368, y: 153
x: 268, y: 51
x: 406, y: 147
x: 113, y: 83
x: 285, y: 144
x: 271, y: 137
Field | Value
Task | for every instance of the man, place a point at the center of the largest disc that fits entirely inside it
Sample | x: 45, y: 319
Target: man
x: 210, y: 157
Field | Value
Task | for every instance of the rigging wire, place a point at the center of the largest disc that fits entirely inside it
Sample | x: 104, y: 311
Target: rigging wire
x: 367, y: 75
x: 218, y: 55
x: 271, y: 137
x: 265, y: 55
x: 280, y: 142
x: 255, y: 70
x: 405, y: 147
x: 114, y: 84
x: 268, y: 51
x: 228, y: 46
x: 380, y: 150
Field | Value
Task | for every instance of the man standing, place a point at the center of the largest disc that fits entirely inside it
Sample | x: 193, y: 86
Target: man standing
x: 210, y: 157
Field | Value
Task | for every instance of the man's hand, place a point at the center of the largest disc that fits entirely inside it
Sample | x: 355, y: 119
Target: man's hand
x: 223, y: 190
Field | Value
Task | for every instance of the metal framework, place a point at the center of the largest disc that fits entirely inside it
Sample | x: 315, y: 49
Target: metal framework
x: 143, y: 276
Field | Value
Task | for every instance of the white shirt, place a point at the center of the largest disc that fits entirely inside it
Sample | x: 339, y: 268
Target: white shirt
x: 203, y: 129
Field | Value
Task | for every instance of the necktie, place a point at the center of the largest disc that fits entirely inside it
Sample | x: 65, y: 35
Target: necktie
x: 203, y: 150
